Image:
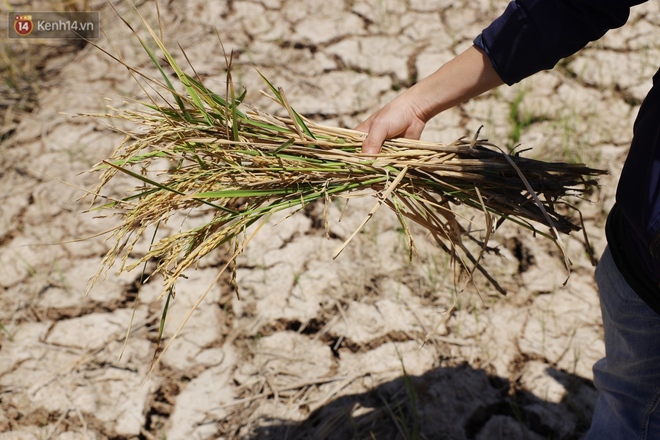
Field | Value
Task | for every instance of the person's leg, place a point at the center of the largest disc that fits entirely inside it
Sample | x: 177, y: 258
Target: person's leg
x: 628, y: 378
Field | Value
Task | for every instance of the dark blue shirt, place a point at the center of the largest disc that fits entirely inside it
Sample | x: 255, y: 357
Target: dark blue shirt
x: 533, y: 35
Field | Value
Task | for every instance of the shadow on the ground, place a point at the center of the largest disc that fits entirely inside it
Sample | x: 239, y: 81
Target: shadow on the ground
x: 447, y: 403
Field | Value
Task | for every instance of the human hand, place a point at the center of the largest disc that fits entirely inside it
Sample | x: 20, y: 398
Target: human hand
x: 466, y: 76
x: 399, y: 118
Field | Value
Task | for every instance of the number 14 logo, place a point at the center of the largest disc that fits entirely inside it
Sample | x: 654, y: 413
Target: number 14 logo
x: 23, y: 24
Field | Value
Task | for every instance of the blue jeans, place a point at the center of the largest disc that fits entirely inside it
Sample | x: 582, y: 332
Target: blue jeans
x: 628, y: 378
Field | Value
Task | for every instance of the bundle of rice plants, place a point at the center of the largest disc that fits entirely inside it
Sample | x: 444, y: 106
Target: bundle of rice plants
x: 244, y: 165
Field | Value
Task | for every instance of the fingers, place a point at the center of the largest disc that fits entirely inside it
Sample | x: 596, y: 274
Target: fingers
x: 364, y: 125
x: 414, y: 131
x: 378, y: 131
x: 376, y: 135
x: 389, y: 122
x: 378, y: 128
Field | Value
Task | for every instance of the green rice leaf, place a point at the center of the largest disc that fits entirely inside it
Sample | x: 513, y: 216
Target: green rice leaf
x: 164, y: 187
x: 284, y: 146
x: 277, y: 93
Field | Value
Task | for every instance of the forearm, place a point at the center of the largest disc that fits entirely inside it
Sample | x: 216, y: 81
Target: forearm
x: 468, y: 75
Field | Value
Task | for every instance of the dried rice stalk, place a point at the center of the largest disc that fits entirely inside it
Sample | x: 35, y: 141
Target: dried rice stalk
x: 247, y: 165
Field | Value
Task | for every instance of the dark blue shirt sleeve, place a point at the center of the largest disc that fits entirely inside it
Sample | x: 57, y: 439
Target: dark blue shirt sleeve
x: 533, y: 35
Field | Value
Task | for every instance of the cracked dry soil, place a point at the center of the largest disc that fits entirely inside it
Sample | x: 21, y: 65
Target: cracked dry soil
x: 314, y: 348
